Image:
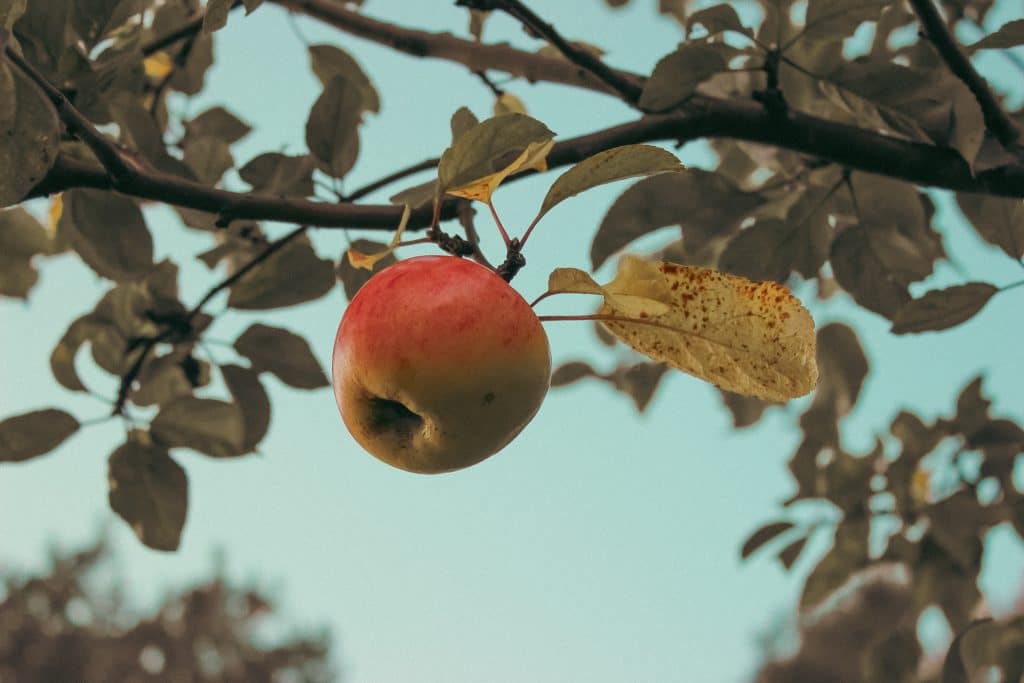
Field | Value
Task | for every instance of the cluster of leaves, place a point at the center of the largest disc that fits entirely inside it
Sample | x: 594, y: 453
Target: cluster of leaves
x: 62, y: 626
x: 919, y: 506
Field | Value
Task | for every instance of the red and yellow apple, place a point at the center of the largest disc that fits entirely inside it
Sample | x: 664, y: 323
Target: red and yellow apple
x: 438, y: 364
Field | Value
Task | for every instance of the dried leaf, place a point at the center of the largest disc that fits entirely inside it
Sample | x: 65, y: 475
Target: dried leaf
x: 462, y: 120
x: 149, y: 491
x: 941, y: 309
x: 283, y: 353
x: 619, y: 163
x: 218, y: 123
x: 746, y: 411
x: 363, y: 261
x: 157, y: 65
x: 29, y: 435
x: 831, y: 21
x: 789, y: 555
x: 482, y: 157
x: 278, y: 174
x: 216, y: 16
x: 849, y: 553
x: 751, y: 338
x: 762, y: 536
x: 507, y: 103
x: 212, y: 427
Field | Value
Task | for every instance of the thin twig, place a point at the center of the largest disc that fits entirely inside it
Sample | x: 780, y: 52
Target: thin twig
x: 626, y: 87
x: 936, y: 30
x: 491, y: 85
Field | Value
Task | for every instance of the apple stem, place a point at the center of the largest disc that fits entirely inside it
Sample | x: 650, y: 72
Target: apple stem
x: 497, y: 221
x: 608, y: 318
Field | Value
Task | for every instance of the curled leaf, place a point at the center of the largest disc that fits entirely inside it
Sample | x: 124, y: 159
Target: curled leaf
x: 368, y: 261
x: 483, y: 156
x: 751, y: 338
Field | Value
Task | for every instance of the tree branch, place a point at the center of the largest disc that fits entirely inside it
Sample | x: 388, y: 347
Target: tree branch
x: 118, y: 163
x: 474, y: 56
x: 619, y: 82
x: 186, y: 30
x: 996, y: 118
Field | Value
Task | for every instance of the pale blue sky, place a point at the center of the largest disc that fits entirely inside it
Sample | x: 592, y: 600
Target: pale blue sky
x: 599, y: 546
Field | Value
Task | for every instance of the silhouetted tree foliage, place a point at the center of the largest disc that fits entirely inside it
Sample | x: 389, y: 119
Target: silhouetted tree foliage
x: 829, y: 153
x: 72, y: 624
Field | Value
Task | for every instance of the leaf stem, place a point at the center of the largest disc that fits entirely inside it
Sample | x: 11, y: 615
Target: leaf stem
x: 497, y: 221
x: 529, y: 230
x: 1014, y: 285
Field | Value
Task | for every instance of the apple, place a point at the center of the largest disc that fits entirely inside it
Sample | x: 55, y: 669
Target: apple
x: 438, y: 364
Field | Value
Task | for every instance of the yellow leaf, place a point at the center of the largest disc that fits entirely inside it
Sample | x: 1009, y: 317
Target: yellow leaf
x: 507, y: 103
x: 481, y: 189
x: 56, y: 210
x: 368, y: 261
x: 750, y: 338
x: 920, y: 486
x: 572, y: 280
x: 157, y: 65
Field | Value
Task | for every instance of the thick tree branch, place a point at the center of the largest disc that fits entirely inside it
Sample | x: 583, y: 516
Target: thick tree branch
x: 625, y: 86
x: 703, y: 117
x: 936, y: 30
x: 475, y: 56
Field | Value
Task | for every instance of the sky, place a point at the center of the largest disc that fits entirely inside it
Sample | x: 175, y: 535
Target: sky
x: 601, y: 545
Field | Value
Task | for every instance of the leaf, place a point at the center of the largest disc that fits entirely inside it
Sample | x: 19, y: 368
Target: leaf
x: 843, y: 368
x: 704, y: 204
x: 164, y: 379
x: 893, y: 658
x: 251, y: 5
x: 762, y: 536
x: 208, y: 157
x: 953, y: 668
x: 507, y: 103
x: 250, y: 396
x: 848, y: 554
x: 861, y: 272
x: 10, y: 12
x: 352, y: 278
x: 216, y: 16
x: 999, y: 220
x: 830, y: 21
x: 363, y: 261
x: 417, y: 195
x: 29, y: 435
x: 109, y: 232
x: 572, y: 281
x: 1010, y: 34
x: 278, y: 174
x: 678, y: 74
x: 746, y: 411
x: 462, y: 120
x: 149, y: 491
x: 330, y: 62
x: 293, y: 275
x: 717, y: 19
x: 482, y: 157
x: 212, y: 427
x: 789, y: 555
x: 332, y: 129
x: 941, y: 309
x: 62, y: 360
x: 29, y: 136
x: 157, y: 66
x: 619, y: 163
x: 639, y: 381
x: 21, y: 239
x: 571, y: 372
x: 772, y: 249
x: 750, y: 338
x: 218, y: 123
x: 283, y: 353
